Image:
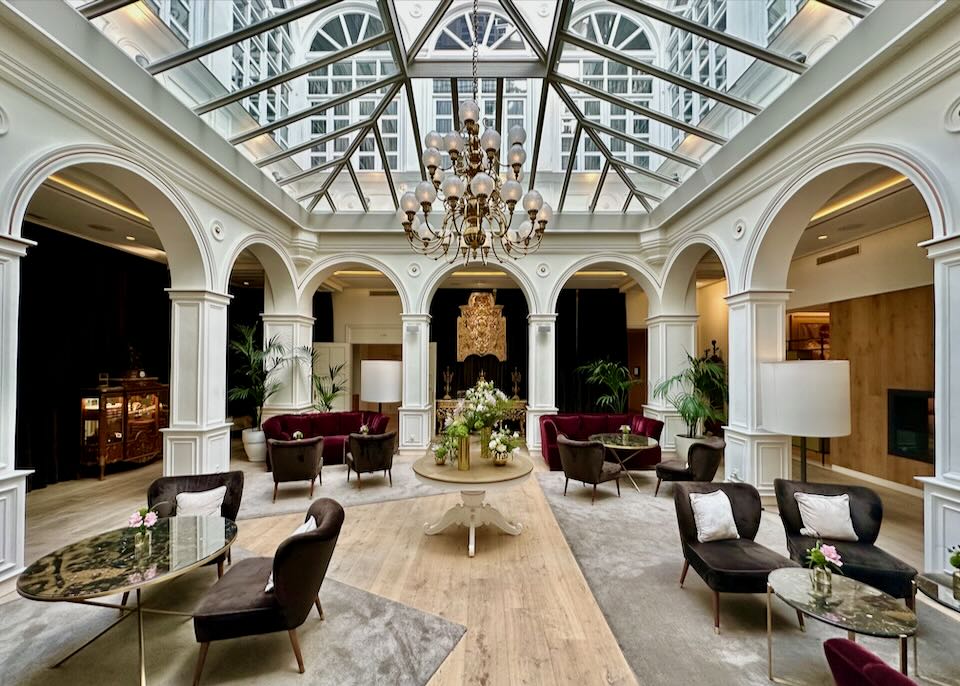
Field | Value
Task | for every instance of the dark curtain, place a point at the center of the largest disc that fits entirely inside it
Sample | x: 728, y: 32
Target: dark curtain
x: 591, y: 325
x: 444, y: 311
x: 82, y: 307
x: 245, y: 309
x: 323, y: 317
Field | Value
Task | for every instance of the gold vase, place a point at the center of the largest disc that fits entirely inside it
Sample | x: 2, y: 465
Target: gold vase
x: 485, y: 434
x: 956, y: 584
x: 463, y: 454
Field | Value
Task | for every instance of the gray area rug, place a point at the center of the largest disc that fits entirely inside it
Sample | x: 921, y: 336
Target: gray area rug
x: 294, y: 497
x: 365, y: 639
x: 629, y: 551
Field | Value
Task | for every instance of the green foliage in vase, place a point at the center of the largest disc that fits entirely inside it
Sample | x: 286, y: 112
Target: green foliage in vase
x: 693, y: 390
x: 617, y: 380
x: 955, y: 557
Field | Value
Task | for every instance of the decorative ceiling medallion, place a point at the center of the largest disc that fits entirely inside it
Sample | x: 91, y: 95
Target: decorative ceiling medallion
x: 414, y: 270
x: 217, y: 230
x: 739, y: 229
x: 952, y: 119
x: 481, y: 328
x: 543, y: 270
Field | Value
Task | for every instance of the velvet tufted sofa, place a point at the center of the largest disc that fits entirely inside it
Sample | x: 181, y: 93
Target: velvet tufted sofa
x: 579, y: 427
x: 333, y: 426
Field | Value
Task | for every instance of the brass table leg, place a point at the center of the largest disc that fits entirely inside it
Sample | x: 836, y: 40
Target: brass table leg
x: 769, y: 633
x: 99, y: 634
x: 903, y: 655
x: 143, y: 672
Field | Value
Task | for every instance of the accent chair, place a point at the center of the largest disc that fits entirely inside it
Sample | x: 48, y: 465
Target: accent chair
x: 296, y: 461
x: 701, y: 464
x: 862, y: 559
x: 583, y: 461
x: 853, y: 665
x: 739, y: 565
x: 238, y: 604
x: 368, y: 453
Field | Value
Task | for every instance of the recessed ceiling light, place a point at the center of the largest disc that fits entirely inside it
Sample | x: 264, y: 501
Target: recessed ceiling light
x: 822, y: 237
x: 131, y: 238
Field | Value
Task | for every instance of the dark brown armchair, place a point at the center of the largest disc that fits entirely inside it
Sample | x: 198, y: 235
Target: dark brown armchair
x: 368, y: 453
x: 300, y: 460
x: 583, y: 461
x: 701, y: 464
x: 238, y: 605
x: 162, y: 497
x: 738, y: 565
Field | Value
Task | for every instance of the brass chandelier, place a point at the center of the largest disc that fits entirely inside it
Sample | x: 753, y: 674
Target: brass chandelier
x: 479, y: 193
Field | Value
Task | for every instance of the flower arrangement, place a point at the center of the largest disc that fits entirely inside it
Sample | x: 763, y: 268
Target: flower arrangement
x: 298, y: 435
x: 142, y: 519
x: 625, y: 429
x: 503, y: 445
x: 823, y: 560
x: 364, y: 429
x: 482, y: 406
x: 445, y: 448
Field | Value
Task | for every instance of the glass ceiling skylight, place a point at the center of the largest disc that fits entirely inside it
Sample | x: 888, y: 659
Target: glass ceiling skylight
x: 623, y: 99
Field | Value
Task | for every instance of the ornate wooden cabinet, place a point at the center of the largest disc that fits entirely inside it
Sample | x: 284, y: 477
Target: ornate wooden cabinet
x: 121, y: 422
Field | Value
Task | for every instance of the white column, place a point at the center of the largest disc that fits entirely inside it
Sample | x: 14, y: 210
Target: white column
x: 941, y: 492
x: 295, y: 333
x: 669, y: 338
x: 198, y: 439
x: 416, y: 412
x: 541, y: 373
x: 757, y: 333
x: 13, y: 481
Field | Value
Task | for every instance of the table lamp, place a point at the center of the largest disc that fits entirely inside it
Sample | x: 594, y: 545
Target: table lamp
x: 805, y: 398
x: 381, y: 382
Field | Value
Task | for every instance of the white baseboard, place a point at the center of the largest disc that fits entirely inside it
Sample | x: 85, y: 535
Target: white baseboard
x: 870, y: 478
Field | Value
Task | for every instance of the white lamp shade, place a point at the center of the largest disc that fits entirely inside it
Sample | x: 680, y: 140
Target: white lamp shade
x: 806, y: 397
x: 380, y: 381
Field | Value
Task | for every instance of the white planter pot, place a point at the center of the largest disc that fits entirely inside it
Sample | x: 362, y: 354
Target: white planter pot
x: 255, y: 445
x: 683, y: 445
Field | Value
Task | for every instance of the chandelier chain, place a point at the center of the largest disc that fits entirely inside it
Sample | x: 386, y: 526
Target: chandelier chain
x: 476, y: 41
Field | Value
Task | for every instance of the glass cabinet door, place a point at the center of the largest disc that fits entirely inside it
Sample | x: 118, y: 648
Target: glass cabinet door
x: 113, y: 417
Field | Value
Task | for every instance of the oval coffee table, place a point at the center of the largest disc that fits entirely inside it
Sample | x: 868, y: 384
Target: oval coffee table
x: 107, y: 564
x: 473, y: 485
x: 630, y: 445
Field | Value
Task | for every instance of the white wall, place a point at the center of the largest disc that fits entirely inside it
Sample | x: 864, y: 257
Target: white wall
x: 888, y: 261
x: 637, y: 305
x: 360, y: 318
x: 713, y: 321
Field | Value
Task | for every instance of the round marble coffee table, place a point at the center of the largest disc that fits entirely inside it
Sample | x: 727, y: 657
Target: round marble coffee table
x: 473, y: 485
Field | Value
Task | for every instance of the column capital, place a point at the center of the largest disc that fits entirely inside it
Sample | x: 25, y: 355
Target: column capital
x: 673, y: 319
x: 944, y: 246
x: 415, y: 317
x: 14, y: 245
x: 276, y: 318
x: 542, y: 317
x: 199, y: 296
x: 759, y: 296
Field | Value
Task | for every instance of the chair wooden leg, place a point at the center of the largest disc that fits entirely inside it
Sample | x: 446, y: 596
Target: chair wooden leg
x: 275, y: 487
x: 618, y: 488
x: 230, y: 556
x: 319, y: 608
x: 312, y: 482
x: 566, y: 482
x: 220, y: 568
x: 716, y: 611
x: 296, y: 648
x: 390, y: 477
x: 803, y: 627
x: 204, y: 647
x: 683, y: 574
x: 348, y: 473
x: 359, y: 485
x: 593, y: 499
x: 657, y: 489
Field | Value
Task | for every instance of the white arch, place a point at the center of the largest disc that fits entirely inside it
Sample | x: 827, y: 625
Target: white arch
x: 277, y: 265
x: 512, y: 268
x: 679, y: 268
x: 639, y: 271
x: 588, y: 8
x: 321, y: 270
x: 189, y: 257
x: 770, y: 248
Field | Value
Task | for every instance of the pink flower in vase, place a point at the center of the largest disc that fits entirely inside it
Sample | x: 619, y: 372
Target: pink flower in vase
x: 150, y: 519
x: 833, y: 557
x: 135, y: 521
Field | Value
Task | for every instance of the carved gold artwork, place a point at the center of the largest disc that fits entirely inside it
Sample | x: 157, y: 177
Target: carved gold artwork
x: 481, y: 328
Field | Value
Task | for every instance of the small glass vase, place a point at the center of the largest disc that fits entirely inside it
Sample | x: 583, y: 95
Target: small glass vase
x: 821, y: 581
x: 463, y: 454
x: 956, y: 584
x: 142, y: 542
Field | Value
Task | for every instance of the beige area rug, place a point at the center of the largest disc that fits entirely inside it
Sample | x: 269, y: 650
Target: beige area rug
x: 365, y: 639
x: 629, y: 551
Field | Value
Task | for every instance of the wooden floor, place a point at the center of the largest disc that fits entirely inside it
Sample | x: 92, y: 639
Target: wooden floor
x: 529, y: 614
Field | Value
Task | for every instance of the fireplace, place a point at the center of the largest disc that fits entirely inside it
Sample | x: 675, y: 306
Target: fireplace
x: 910, y: 424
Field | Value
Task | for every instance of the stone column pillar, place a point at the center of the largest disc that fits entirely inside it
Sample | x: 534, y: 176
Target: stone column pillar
x: 295, y: 333
x: 941, y: 492
x: 416, y: 410
x: 13, y: 481
x: 198, y: 438
x: 541, y: 373
x: 669, y: 338
x: 757, y: 332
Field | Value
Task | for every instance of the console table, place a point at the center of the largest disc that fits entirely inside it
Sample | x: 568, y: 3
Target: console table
x: 516, y: 413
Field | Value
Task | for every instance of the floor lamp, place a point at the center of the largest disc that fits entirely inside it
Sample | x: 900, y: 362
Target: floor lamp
x: 381, y: 382
x: 805, y: 398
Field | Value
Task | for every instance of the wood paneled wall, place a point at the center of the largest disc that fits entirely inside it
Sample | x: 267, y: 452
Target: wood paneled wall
x: 888, y: 339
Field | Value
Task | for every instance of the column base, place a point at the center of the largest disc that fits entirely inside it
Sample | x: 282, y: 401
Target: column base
x: 196, y: 451
x: 756, y: 457
x: 941, y: 520
x: 13, y: 520
x: 416, y: 427
x: 533, y: 426
x: 673, y: 425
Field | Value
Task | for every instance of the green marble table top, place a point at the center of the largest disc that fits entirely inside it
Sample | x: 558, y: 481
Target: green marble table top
x: 621, y: 441
x: 851, y: 605
x: 108, y: 563
x: 938, y: 586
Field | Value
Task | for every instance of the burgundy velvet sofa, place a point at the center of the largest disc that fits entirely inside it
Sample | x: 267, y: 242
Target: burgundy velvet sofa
x: 580, y: 427
x: 335, y: 427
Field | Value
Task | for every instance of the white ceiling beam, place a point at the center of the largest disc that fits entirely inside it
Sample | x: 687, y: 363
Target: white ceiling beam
x: 97, y: 8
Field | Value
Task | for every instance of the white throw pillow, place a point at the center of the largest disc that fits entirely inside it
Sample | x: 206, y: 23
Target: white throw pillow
x: 713, y: 514
x: 201, y: 503
x: 307, y: 526
x: 826, y: 516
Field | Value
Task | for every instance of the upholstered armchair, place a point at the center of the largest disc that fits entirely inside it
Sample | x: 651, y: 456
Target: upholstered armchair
x: 736, y: 565
x: 862, y: 560
x: 853, y: 665
x: 368, y: 453
x: 296, y: 461
x: 701, y: 464
x: 583, y: 461
x: 238, y: 604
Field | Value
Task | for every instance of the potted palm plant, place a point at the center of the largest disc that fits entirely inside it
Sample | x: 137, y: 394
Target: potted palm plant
x: 698, y: 394
x: 328, y: 387
x: 256, y: 365
x: 617, y: 380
